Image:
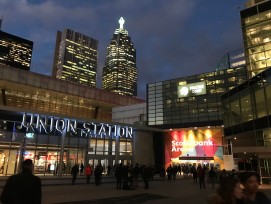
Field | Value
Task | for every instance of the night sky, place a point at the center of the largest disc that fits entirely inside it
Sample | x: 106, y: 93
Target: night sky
x: 173, y: 38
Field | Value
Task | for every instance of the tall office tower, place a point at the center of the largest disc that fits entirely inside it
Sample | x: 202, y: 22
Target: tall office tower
x: 15, y: 51
x: 256, y: 29
x: 120, y: 71
x: 75, y: 58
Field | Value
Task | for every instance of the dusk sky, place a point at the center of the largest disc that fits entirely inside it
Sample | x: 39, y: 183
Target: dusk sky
x: 173, y: 38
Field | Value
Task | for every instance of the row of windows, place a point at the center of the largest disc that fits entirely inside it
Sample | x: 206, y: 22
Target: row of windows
x: 247, y: 105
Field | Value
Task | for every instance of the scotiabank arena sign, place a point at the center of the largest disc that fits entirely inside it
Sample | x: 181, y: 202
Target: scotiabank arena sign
x: 193, y: 145
x: 193, y: 89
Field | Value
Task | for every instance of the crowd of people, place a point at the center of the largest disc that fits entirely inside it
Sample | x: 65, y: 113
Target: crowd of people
x: 233, y: 187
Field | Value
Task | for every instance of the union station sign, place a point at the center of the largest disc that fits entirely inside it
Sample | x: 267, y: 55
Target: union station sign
x: 46, y: 124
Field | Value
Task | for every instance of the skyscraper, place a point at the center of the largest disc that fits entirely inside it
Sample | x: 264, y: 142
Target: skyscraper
x: 256, y: 29
x: 75, y: 58
x: 120, y: 71
x: 15, y: 51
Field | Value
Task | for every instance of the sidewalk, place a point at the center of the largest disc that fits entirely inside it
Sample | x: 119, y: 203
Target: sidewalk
x: 60, y: 191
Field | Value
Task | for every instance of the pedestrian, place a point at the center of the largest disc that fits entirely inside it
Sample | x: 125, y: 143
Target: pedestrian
x: 228, y: 192
x: 169, y: 172
x: 23, y: 187
x: 108, y: 170
x: 251, y: 181
x: 194, y: 173
x: 98, y: 174
x: 136, y: 173
x: 201, y: 175
x: 118, y: 175
x: 74, y: 173
x: 212, y: 177
x: 88, y: 172
x: 223, y: 175
x: 145, y: 174
x: 81, y: 168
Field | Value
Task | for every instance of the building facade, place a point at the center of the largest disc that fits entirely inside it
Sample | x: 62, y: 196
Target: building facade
x: 120, y: 71
x: 192, y: 101
x: 57, y: 124
x: 247, y: 124
x: 15, y: 51
x: 256, y: 29
x: 233, y: 59
x: 75, y: 58
x: 189, y: 110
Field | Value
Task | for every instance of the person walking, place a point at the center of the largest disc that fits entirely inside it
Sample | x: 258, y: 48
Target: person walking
x: 145, y: 174
x: 98, y: 174
x: 251, y: 182
x: 74, y: 173
x: 88, y: 172
x: 118, y: 175
x: 212, y: 177
x: 81, y: 169
x: 169, y: 172
x: 201, y: 175
x: 228, y: 192
x: 23, y: 187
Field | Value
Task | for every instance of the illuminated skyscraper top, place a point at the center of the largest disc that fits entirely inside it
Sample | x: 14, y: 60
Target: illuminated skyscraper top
x: 120, y: 71
x: 75, y: 58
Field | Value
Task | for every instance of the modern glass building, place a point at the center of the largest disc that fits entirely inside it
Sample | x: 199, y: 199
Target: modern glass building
x: 189, y: 110
x: 15, y: 51
x: 256, y: 29
x: 247, y: 124
x: 120, y: 71
x: 75, y: 58
x: 192, y: 101
x: 235, y: 58
x: 57, y: 124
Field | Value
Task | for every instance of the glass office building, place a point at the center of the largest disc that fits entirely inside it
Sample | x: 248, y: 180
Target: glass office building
x: 57, y: 124
x: 192, y: 101
x: 120, y: 71
x: 256, y: 29
x: 247, y: 119
x: 15, y: 51
x: 75, y: 58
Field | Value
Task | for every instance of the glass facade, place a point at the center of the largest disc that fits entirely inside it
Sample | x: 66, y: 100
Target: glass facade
x: 28, y: 92
x: 38, y: 93
x: 167, y: 109
x: 256, y: 28
x: 120, y: 71
x: 235, y: 58
x: 75, y: 58
x: 15, y: 51
x: 247, y: 119
x: 45, y: 150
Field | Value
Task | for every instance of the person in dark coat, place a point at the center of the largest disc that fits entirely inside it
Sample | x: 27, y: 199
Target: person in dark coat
x: 212, y: 177
x: 145, y: 174
x: 118, y: 175
x: 251, y: 182
x: 23, y: 187
x: 98, y: 174
x: 201, y: 175
x: 74, y: 173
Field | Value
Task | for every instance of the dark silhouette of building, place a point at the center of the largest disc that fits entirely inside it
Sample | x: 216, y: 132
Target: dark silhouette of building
x: 15, y: 51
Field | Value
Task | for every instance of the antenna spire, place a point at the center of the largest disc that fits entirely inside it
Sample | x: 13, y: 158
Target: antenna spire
x: 121, y: 22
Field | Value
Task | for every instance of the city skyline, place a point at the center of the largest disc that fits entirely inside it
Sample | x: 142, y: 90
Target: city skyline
x: 173, y: 39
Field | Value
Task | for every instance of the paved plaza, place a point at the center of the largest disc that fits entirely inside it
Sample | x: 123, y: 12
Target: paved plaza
x: 161, y: 191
